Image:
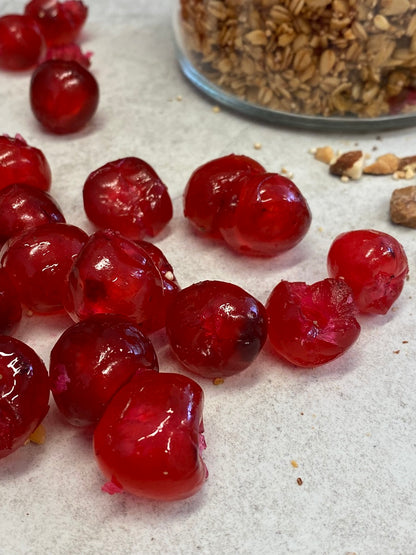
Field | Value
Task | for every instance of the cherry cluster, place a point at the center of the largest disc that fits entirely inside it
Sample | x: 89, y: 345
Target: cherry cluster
x: 119, y: 288
x: 64, y: 94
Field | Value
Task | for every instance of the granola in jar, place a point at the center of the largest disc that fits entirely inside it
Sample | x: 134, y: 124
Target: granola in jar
x: 348, y: 58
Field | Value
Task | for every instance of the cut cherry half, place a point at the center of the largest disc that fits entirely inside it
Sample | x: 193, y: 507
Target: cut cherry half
x: 310, y: 325
x: 149, y: 440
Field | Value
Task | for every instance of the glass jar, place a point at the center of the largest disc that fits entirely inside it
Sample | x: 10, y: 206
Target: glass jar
x: 340, y: 64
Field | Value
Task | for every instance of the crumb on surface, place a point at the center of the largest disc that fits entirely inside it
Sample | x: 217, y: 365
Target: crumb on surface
x: 39, y: 435
x: 294, y: 464
x: 299, y: 481
x: 257, y: 146
x: 216, y: 109
x: 218, y: 381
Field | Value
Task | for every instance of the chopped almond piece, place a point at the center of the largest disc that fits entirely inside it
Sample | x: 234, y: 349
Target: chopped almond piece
x: 386, y: 164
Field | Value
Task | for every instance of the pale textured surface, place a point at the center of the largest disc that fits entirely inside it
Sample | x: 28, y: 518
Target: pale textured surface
x: 350, y: 426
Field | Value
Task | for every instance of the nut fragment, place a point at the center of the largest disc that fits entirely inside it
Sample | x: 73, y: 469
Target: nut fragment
x: 386, y: 164
x: 406, y: 162
x: 324, y: 154
x: 348, y: 164
x: 403, y: 206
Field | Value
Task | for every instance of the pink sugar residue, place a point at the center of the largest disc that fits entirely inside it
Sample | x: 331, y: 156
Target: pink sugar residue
x: 112, y: 486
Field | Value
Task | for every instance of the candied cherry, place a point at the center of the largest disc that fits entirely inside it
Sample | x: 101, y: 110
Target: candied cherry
x: 373, y: 263
x: 63, y: 95
x: 149, y: 440
x: 10, y: 308
x: 127, y: 195
x: 22, y: 207
x: 24, y: 393
x: 114, y: 275
x: 215, y: 328
x: 60, y: 22
x: 213, y: 188
x: 21, y: 42
x: 310, y: 325
x: 22, y: 163
x: 270, y: 216
x: 92, y: 360
x: 38, y: 261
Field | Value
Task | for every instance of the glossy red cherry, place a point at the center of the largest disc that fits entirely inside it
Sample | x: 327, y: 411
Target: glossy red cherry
x: 21, y: 42
x: 60, y: 22
x: 38, y: 261
x: 271, y: 216
x: 213, y: 188
x: 373, y: 263
x: 22, y: 163
x: 63, y: 95
x: 10, y: 308
x: 149, y: 440
x: 92, y: 360
x: 22, y: 207
x: 24, y: 393
x: 127, y: 195
x: 114, y: 275
x: 215, y: 328
x: 310, y: 325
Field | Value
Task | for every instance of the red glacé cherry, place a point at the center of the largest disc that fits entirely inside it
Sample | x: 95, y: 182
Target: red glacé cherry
x: 127, y: 195
x: 215, y: 328
x: 24, y: 393
x: 114, y: 275
x: 38, y: 261
x: 63, y: 95
x: 149, y: 440
x: 22, y: 207
x: 310, y: 325
x: 21, y: 42
x: 22, y: 163
x: 270, y: 216
x: 213, y: 188
x: 60, y: 22
x: 10, y: 308
x: 373, y: 263
x: 92, y: 360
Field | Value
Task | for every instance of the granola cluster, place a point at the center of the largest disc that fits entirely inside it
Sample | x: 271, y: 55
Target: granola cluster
x: 315, y: 57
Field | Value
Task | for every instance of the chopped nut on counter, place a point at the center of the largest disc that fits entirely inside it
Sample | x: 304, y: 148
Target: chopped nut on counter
x: 324, y: 154
x: 349, y: 164
x: 403, y: 206
x: 386, y: 164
